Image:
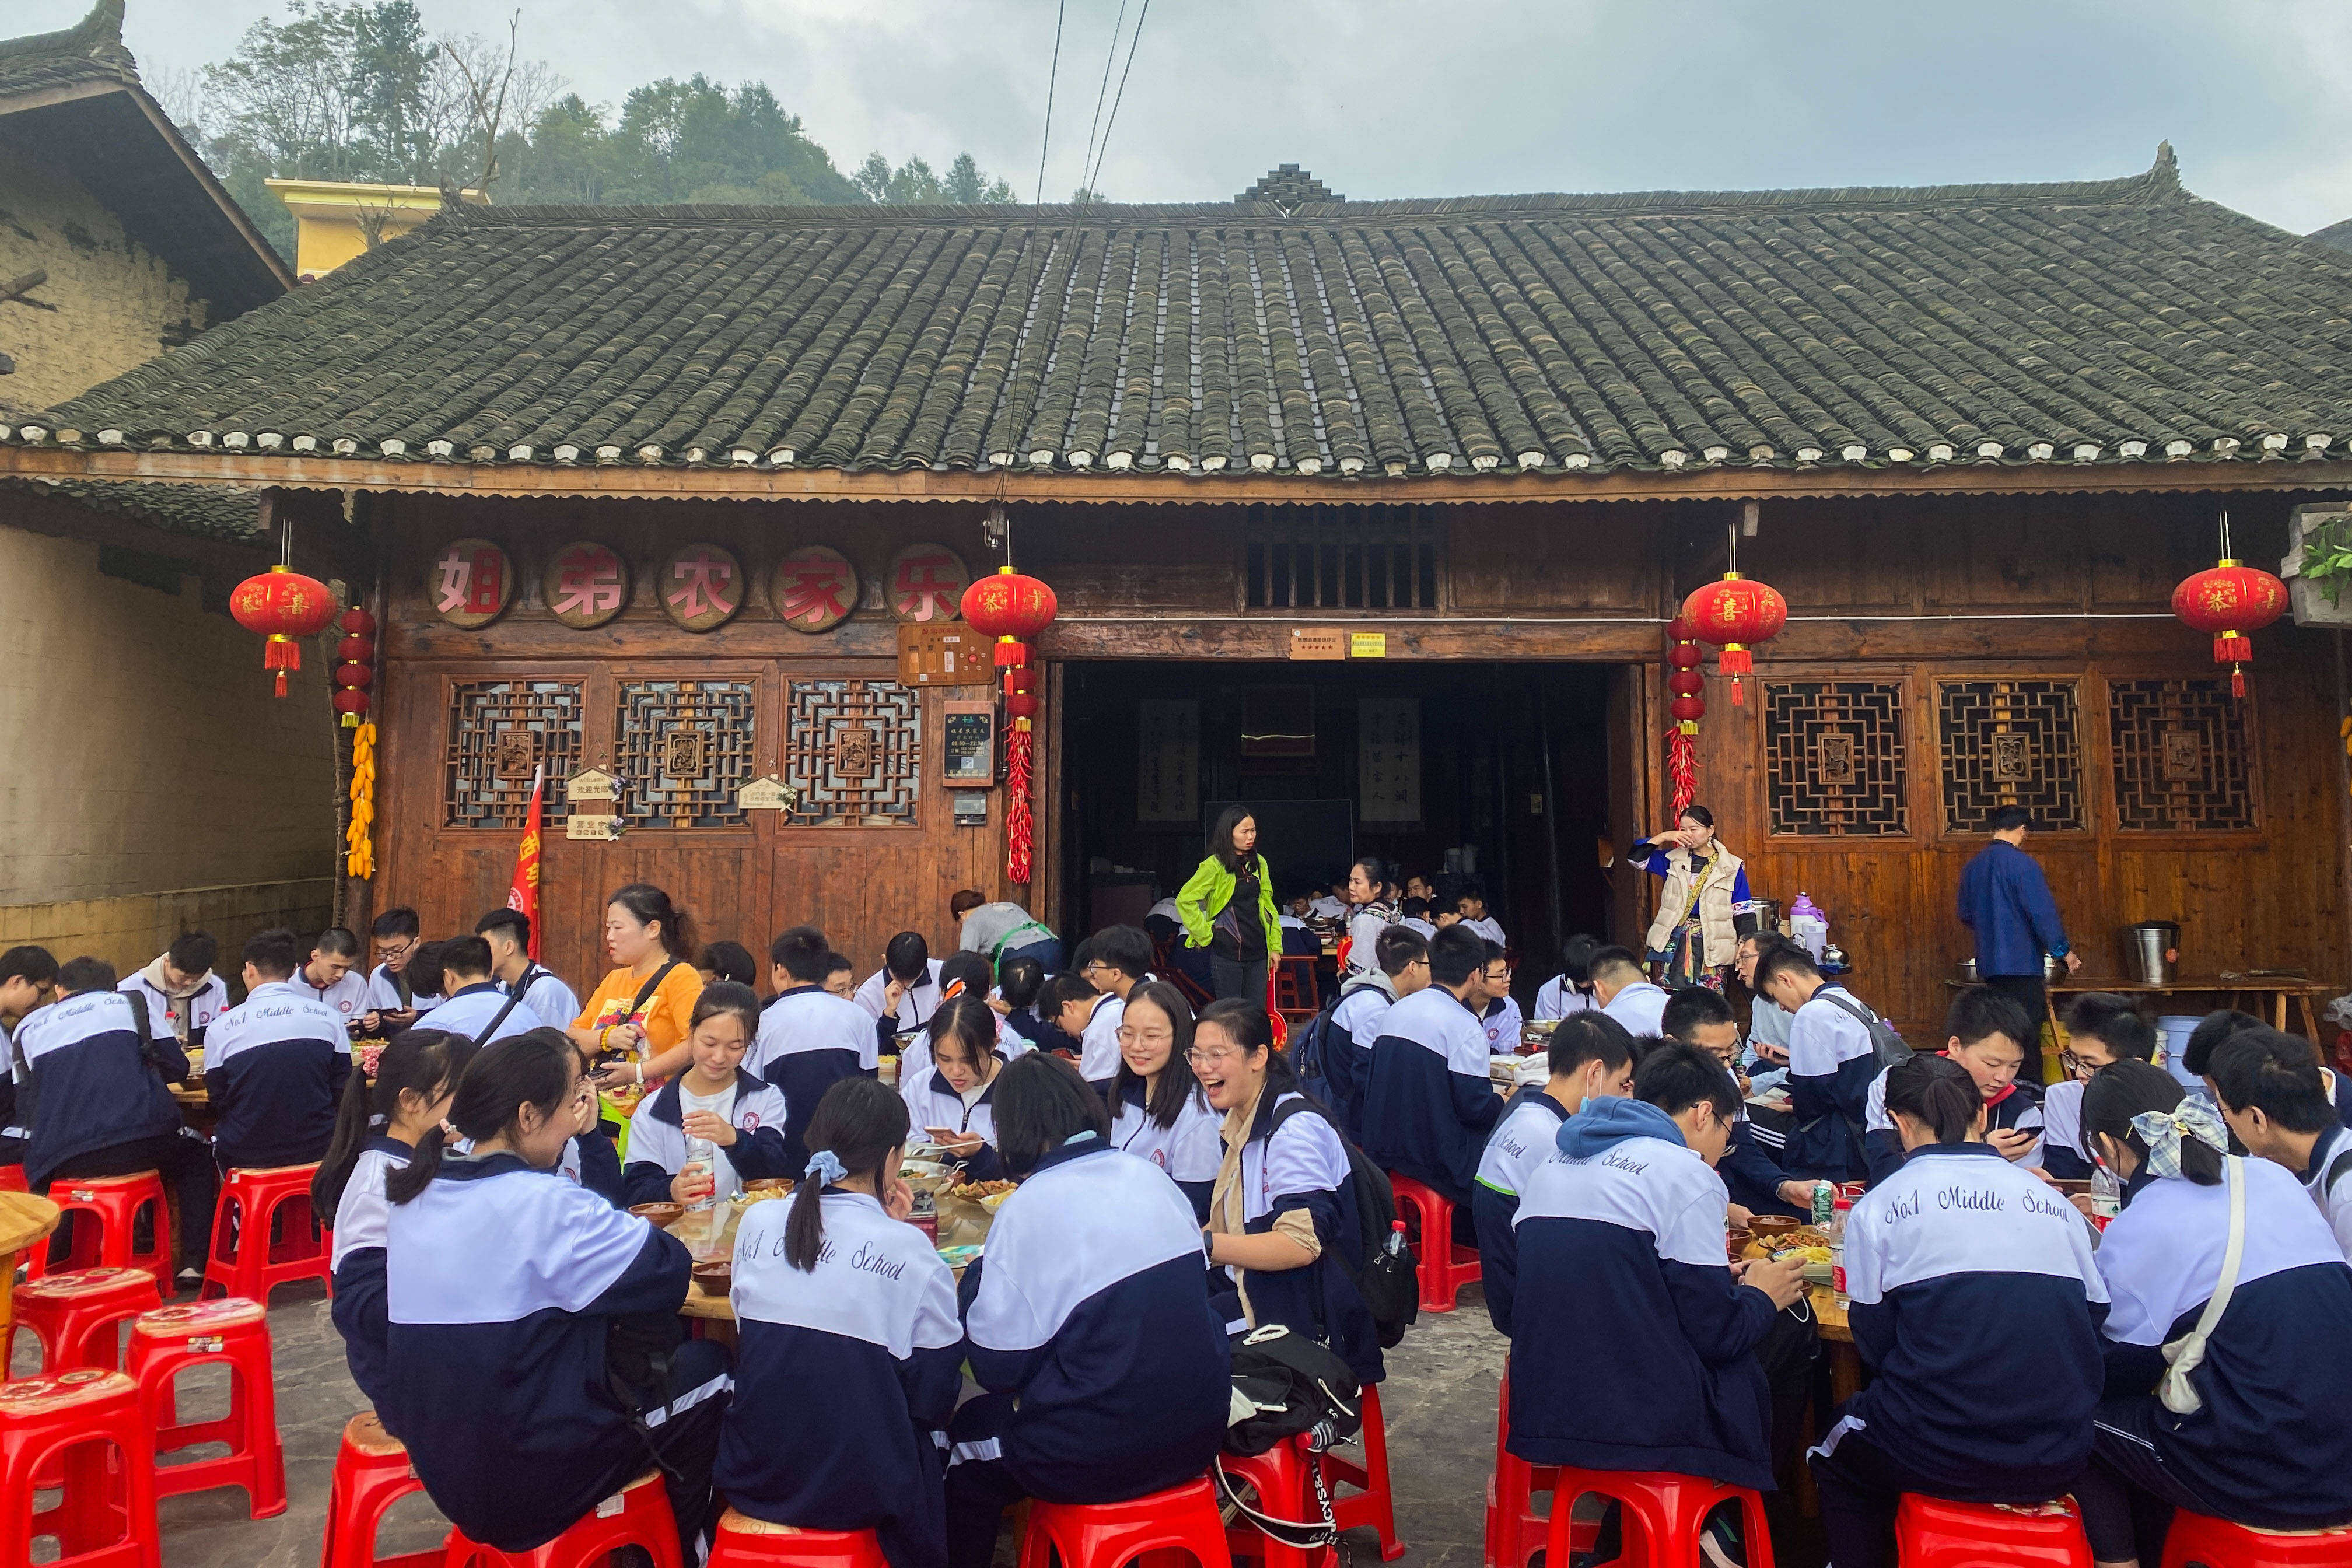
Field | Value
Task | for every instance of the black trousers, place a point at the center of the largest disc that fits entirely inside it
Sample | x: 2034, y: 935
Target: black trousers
x: 184, y: 1161
x: 1230, y: 977
x: 978, y: 1488
x: 685, y: 1438
x: 1861, y: 1485
x: 2029, y: 993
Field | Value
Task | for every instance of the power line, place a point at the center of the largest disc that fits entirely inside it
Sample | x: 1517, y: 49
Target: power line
x: 1052, y: 75
x: 1141, y: 16
x: 1102, y: 93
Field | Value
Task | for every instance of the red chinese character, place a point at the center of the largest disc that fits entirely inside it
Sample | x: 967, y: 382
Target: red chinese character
x: 587, y: 582
x: 815, y: 589
x: 920, y: 592
x: 704, y: 580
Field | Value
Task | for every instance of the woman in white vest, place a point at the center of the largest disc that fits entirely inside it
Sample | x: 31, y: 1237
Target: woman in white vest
x: 1692, y: 941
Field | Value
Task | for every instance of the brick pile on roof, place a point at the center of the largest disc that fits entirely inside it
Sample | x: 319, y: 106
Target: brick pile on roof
x: 2107, y: 322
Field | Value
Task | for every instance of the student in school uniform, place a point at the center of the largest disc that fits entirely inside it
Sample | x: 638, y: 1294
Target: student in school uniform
x: 1633, y: 1342
x: 1976, y: 1303
x: 1019, y: 979
x: 1625, y: 993
x: 1500, y: 1018
x: 906, y: 989
x: 184, y: 995
x: 1372, y: 909
x: 1699, y: 1017
x: 275, y: 1064
x: 1831, y: 1065
x: 843, y: 1307
x: 29, y: 980
x: 518, y: 974
x: 94, y: 1101
x: 840, y: 977
x: 1767, y: 1058
x: 1984, y: 1032
x: 332, y: 974
x: 2269, y: 1088
x: 1158, y: 1112
x: 518, y: 1367
x: 478, y: 1007
x: 393, y: 1002
x: 949, y: 1094
x: 2194, y: 1066
x: 1470, y: 904
x: 961, y: 974
x: 1413, y: 915
x: 714, y: 1126
x: 1106, y: 1375
x: 2101, y: 1028
x: 2268, y: 1444
x: 728, y: 961
x: 1065, y: 1006
x: 1400, y: 968
x: 1570, y: 991
x: 377, y: 1129
x: 1429, y: 1101
x: 809, y: 1039
x: 1118, y: 959
x: 1591, y: 1054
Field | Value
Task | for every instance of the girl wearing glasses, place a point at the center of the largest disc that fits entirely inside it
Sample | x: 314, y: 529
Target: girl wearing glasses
x: 1157, y: 1110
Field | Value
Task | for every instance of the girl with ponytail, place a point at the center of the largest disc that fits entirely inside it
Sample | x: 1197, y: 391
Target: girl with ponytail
x: 376, y: 1131
x: 534, y: 1364
x: 842, y: 1308
x: 1976, y: 1299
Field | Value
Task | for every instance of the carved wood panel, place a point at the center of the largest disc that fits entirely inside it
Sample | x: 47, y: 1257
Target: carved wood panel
x: 2180, y: 757
x: 682, y: 749
x: 498, y: 733
x: 854, y: 750
x: 1835, y: 761
x: 2011, y: 743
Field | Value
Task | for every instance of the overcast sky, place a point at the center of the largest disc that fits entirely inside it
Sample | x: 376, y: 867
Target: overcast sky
x: 1418, y: 98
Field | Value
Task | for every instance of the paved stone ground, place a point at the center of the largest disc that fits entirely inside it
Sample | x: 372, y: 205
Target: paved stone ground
x: 1438, y: 1401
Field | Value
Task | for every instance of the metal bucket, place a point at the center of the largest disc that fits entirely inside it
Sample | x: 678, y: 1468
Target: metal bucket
x: 2151, y: 952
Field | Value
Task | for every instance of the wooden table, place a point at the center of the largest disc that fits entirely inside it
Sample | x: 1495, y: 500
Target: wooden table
x: 2267, y: 996
x: 25, y: 1219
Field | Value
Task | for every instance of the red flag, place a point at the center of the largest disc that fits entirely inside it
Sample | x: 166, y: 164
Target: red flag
x: 523, y: 894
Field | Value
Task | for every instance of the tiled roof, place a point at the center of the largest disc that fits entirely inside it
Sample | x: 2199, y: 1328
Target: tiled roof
x: 207, y: 512
x: 91, y: 49
x: 2112, y: 321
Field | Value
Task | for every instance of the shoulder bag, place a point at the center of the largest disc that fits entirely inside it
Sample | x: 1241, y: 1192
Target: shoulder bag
x: 2186, y: 1354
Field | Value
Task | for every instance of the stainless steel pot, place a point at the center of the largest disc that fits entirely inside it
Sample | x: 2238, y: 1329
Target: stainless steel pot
x: 1755, y: 915
x: 2051, y: 969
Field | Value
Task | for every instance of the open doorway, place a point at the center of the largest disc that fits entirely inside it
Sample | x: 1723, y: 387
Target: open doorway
x: 1500, y: 770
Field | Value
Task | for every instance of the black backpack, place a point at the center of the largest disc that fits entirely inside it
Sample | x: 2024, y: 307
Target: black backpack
x: 1886, y: 1044
x: 1385, y: 1280
x: 1306, y: 1053
x: 1285, y: 1385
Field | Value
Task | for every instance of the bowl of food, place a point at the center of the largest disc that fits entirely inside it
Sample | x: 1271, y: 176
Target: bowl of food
x: 716, y: 1278
x: 1735, y: 1242
x: 661, y: 1217
x: 1770, y: 1228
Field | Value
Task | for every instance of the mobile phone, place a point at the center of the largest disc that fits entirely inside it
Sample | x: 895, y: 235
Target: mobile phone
x: 937, y: 1133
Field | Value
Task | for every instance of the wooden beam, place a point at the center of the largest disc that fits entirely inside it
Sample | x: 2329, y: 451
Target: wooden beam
x: 652, y: 482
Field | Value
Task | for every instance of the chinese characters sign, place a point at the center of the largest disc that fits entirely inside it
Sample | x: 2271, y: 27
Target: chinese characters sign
x: 586, y: 584
x: 700, y: 587
x: 470, y: 580
x: 1168, y: 762
x: 814, y: 588
x: 926, y: 583
x: 1388, y: 759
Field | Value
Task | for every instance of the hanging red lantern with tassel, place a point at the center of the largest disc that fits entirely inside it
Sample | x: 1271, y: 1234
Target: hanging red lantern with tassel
x: 282, y: 604
x: 1734, y: 614
x: 2229, y: 600
x: 1687, y: 687
x: 1011, y: 606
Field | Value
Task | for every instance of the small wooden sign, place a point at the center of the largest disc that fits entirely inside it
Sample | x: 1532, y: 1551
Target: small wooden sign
x: 591, y: 784
x: 766, y: 793
x: 1367, y: 645
x: 943, y: 653
x: 592, y: 829
x: 1318, y: 642
x: 970, y: 759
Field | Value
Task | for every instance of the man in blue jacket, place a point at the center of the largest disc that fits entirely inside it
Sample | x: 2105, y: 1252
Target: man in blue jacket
x: 2005, y: 901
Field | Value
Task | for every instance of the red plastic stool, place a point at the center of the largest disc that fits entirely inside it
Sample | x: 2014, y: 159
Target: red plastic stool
x: 372, y: 1473
x: 1278, y: 1475
x: 637, y: 1515
x: 12, y: 1179
x: 1106, y: 1534
x: 88, y: 1420
x: 1659, y: 1516
x: 742, y: 1541
x: 103, y: 1209
x: 1370, y: 1503
x: 253, y: 1202
x: 1931, y: 1532
x: 1515, y: 1530
x: 2197, y: 1541
x: 168, y: 1341
x: 74, y: 1315
x: 1443, y: 1268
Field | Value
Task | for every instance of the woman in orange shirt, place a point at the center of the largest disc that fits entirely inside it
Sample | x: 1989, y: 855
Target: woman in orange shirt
x: 635, y: 1023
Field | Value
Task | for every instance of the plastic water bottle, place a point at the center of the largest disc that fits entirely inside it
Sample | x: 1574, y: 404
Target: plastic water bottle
x: 1394, y: 1245
x: 702, y: 1152
x: 1837, y: 1248
x: 2106, y: 1192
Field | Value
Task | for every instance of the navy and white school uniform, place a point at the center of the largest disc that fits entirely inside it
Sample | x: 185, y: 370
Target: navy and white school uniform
x: 1293, y: 1160
x: 2271, y: 1448
x: 1831, y: 1064
x: 916, y: 1005
x: 915, y: 1060
x: 545, y: 995
x: 360, y: 1217
x: 2328, y: 1180
x: 1750, y: 1166
x: 870, y: 1337
x: 1521, y: 1140
x: 1415, y: 923
x: 183, y: 1019
x: 2062, y: 1154
x: 1621, y: 1245
x: 934, y: 1102
x: 1488, y: 927
x: 274, y: 1067
x: 1429, y: 1102
x: 384, y: 993
x: 91, y: 1084
x: 1503, y: 1023
x: 1098, y: 1044
x: 658, y: 1140
x: 1190, y: 1152
x: 1108, y: 1372
x: 503, y: 1287
x: 473, y: 1010
x: 2019, y: 1108
x: 1558, y: 996
x: 593, y: 1162
x: 347, y: 997
x: 1349, y: 1036
x: 809, y: 1040
x: 1641, y: 1007
x: 1976, y: 1301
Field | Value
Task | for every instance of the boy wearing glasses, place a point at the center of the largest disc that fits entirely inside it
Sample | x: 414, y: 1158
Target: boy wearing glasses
x: 2101, y: 1029
x: 1117, y: 961
x: 392, y: 1002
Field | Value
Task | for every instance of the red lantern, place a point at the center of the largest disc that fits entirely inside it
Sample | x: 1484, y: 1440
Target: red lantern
x: 1009, y: 604
x: 1687, y: 708
x: 1733, y: 613
x: 354, y: 677
x: 1010, y: 607
x: 1684, y: 655
x: 2230, y: 600
x: 353, y: 704
x: 355, y: 650
x: 357, y: 623
x: 1686, y: 683
x: 282, y: 604
x: 1022, y: 705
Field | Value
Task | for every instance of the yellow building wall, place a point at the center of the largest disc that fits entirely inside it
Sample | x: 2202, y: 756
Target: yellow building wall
x: 323, y: 244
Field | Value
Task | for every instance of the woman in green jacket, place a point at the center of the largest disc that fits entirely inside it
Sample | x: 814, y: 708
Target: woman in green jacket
x: 1228, y: 908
